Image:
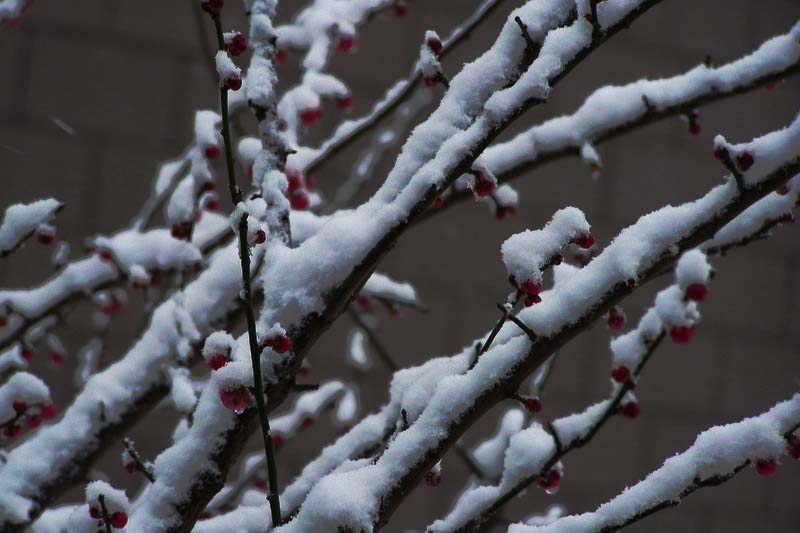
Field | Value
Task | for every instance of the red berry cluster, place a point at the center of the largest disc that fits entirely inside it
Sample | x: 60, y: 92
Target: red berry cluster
x: 118, y: 520
x: 32, y: 415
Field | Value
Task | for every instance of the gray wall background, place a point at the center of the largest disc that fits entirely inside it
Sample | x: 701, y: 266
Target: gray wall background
x: 127, y: 75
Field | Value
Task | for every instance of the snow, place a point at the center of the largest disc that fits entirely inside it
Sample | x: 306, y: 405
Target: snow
x: 524, y: 457
x: 717, y: 451
x: 21, y: 220
x: 226, y: 68
x: 489, y: 454
x: 526, y: 254
x: 115, y: 499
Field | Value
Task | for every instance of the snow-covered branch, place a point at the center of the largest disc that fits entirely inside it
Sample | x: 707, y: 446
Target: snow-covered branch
x: 613, y: 111
x: 640, y: 252
x: 717, y: 455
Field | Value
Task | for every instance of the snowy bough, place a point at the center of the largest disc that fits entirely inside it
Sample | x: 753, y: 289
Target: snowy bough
x: 290, y: 266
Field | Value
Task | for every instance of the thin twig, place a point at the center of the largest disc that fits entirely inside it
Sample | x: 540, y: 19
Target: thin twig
x: 141, y: 466
x: 246, y: 297
x: 106, y: 519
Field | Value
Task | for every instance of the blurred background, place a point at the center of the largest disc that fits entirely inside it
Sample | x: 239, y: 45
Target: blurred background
x: 95, y: 94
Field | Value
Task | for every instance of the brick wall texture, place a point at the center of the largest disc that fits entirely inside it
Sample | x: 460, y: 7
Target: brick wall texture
x: 126, y: 76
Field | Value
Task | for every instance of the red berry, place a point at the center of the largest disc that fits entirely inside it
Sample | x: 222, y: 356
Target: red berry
x: 584, y: 241
x: 261, y: 236
x: 783, y: 190
x: 294, y: 178
x: 303, y: 371
x: 308, y: 422
x: 280, y: 344
x: 217, y: 361
x: 45, y: 238
x: 694, y: 127
x: 531, y: 288
x: 630, y: 410
x: 438, y: 202
x: 616, y: 320
x: 433, y: 479
x: 113, y: 307
x: 551, y: 480
x: 94, y: 512
x: 237, y: 45
x: 27, y: 353
x: 696, y: 292
x: 261, y: 484
x: 130, y: 468
x: 786, y: 218
x: 34, y: 421
x: 534, y: 405
x: 344, y: 102
x: 435, y: 44
x: 12, y: 431
x: 212, y: 7
x: 299, y: 200
x: 3, y: 321
x: 19, y: 407
x: 793, y: 446
x: 48, y: 411
x: 364, y: 302
x: 212, y: 151
x: 621, y: 374
x: 310, y: 116
x: 430, y: 81
x: 57, y: 359
x: 212, y: 204
x: 278, y: 440
x: 744, y: 160
x: 181, y: 230
x: 234, y: 83
x: 237, y: 399
x: 720, y: 152
x: 766, y: 467
x: 119, y: 519
x: 483, y: 187
x: 681, y: 334
x: 532, y: 299
x: 280, y: 57
x: 346, y: 43
x: 106, y: 255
